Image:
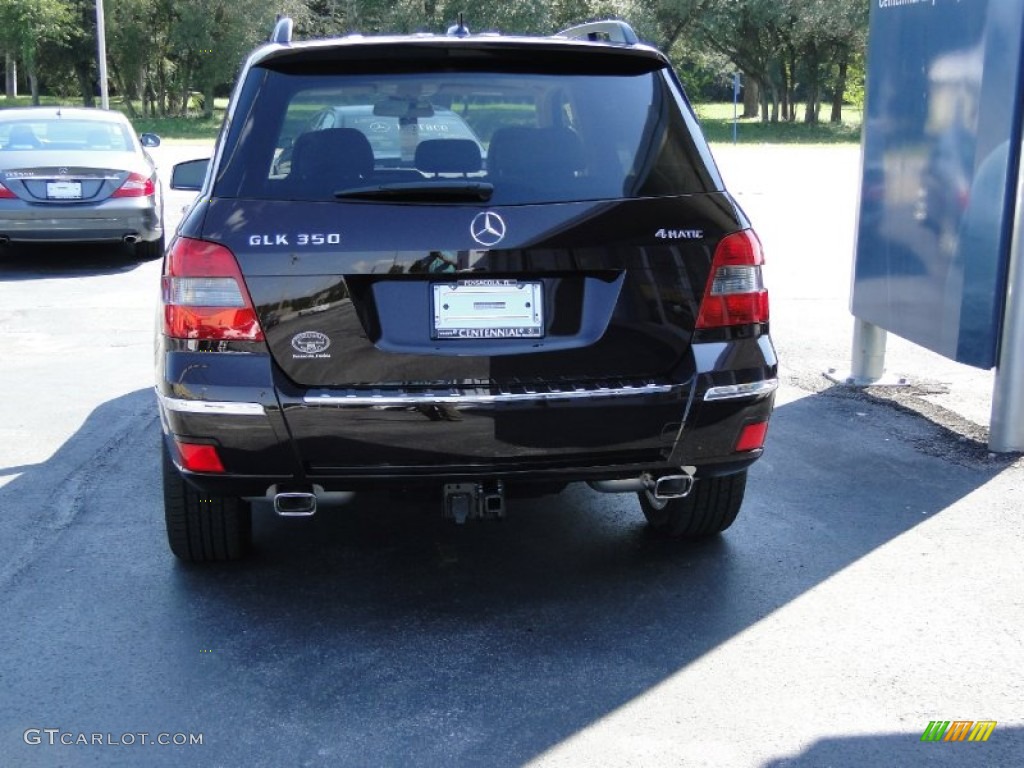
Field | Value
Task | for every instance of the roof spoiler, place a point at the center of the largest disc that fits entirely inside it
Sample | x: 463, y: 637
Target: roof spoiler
x: 608, y: 31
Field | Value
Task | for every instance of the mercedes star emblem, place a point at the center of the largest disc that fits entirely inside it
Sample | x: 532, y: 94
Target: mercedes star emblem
x: 487, y: 228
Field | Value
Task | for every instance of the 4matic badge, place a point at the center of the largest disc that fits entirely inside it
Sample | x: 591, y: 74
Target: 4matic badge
x: 310, y: 345
x: 679, y: 234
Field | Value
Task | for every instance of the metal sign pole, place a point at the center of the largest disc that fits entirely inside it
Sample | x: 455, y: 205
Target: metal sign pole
x: 867, y: 364
x: 1007, y: 421
x: 101, y: 44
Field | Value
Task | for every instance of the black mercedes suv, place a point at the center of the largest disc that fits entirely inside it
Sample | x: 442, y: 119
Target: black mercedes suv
x: 563, y: 293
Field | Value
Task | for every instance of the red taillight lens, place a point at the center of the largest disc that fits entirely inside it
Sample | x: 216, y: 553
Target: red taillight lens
x: 752, y: 437
x: 204, y: 295
x: 136, y: 185
x: 6, y: 194
x: 735, y: 294
x: 200, y: 458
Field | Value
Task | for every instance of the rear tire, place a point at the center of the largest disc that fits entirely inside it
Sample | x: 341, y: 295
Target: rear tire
x: 150, y: 250
x: 202, y: 527
x: 711, y: 507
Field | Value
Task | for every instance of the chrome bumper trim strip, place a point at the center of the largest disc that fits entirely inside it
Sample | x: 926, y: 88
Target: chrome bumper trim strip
x: 485, y: 395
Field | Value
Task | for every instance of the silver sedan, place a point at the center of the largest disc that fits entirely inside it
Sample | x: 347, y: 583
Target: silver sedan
x: 78, y: 175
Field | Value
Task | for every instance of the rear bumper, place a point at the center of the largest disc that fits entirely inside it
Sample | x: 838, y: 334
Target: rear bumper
x: 109, y: 221
x: 268, y: 433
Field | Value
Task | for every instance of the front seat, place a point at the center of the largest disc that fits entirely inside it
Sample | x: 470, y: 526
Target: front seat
x: 536, y: 161
x: 23, y: 137
x: 324, y: 162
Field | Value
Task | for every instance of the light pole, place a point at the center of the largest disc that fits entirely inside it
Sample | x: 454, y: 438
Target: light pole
x: 101, y: 42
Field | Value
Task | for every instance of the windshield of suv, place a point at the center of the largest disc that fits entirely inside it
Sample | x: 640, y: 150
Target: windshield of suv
x: 511, y: 138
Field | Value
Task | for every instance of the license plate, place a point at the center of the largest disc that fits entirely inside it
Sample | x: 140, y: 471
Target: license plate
x: 64, y: 190
x: 488, y: 309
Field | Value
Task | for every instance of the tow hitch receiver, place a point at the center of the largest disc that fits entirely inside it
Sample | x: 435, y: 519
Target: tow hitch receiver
x: 464, y: 501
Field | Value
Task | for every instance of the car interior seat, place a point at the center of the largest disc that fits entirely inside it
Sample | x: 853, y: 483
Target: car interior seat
x: 542, y: 159
x: 22, y: 137
x: 328, y: 160
x: 451, y: 156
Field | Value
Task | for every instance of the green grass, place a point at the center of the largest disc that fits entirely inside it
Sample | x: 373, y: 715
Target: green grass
x: 167, y: 128
x: 715, y: 119
x: 180, y: 128
x: 717, y: 123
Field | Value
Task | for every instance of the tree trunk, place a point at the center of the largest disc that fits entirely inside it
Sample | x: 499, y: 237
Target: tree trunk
x: 140, y: 88
x: 785, y: 91
x: 33, y: 84
x: 790, y: 73
x: 837, y: 95
x: 11, y: 80
x: 751, y: 97
x: 162, y: 89
x: 208, y: 100
x: 813, y: 96
x: 83, y: 71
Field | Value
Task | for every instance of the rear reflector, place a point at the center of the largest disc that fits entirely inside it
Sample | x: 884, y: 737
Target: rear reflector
x: 204, y: 295
x: 200, y: 458
x: 6, y: 194
x: 136, y: 185
x: 735, y: 293
x: 752, y: 437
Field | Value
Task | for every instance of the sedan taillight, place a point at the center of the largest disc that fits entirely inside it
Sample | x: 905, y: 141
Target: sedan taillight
x: 6, y: 194
x: 136, y: 185
x: 204, y: 294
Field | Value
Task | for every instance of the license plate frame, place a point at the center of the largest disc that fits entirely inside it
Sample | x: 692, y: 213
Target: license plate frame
x: 487, y: 309
x: 63, y: 190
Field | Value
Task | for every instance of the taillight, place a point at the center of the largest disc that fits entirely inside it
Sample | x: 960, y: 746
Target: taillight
x: 735, y: 293
x: 136, y: 185
x: 204, y: 295
x: 6, y: 194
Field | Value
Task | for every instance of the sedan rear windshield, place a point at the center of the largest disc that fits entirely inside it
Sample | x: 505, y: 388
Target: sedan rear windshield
x: 505, y: 137
x: 65, y: 134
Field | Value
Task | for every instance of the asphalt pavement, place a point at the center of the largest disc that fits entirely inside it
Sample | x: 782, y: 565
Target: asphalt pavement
x: 871, y: 584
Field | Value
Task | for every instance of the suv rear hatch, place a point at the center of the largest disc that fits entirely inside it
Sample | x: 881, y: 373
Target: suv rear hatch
x: 565, y: 250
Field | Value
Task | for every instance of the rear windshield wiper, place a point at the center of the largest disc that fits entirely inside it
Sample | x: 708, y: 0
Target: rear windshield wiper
x: 421, y: 191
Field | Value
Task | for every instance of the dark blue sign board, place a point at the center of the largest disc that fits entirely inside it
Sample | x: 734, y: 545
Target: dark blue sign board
x: 941, y: 153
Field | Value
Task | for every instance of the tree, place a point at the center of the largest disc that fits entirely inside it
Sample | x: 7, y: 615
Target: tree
x: 27, y: 24
x: 828, y: 34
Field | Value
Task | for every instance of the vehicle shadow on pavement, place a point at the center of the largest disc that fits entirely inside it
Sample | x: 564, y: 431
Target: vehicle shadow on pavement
x: 896, y: 749
x: 36, y: 261
x: 378, y: 634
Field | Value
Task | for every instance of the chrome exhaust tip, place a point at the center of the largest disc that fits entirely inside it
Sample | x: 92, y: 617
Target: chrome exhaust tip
x: 295, y: 504
x: 664, y: 487
x: 131, y: 239
x: 673, y: 486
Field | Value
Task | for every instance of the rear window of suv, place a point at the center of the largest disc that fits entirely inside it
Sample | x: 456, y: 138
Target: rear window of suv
x: 535, y: 137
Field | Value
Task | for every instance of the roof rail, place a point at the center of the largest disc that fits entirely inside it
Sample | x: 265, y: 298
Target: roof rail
x: 608, y: 31
x: 282, y: 30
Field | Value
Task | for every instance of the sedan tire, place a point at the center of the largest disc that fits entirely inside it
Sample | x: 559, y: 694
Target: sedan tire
x: 150, y: 250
